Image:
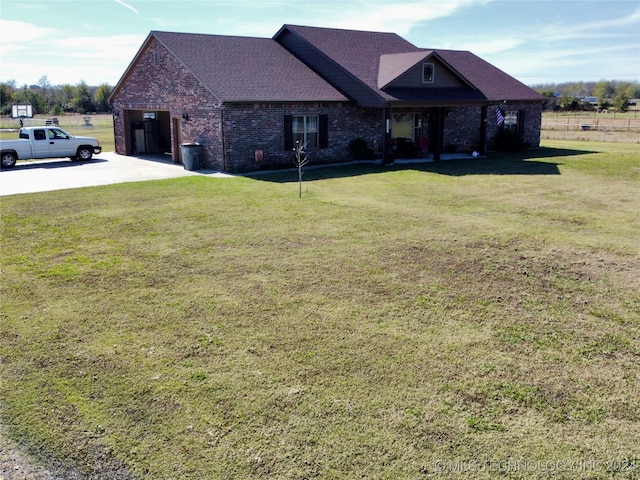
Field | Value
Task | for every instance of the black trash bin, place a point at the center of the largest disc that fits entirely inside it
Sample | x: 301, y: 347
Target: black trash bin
x: 191, y: 155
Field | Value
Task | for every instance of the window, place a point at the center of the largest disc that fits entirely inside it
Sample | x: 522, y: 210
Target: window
x: 511, y: 121
x: 55, y: 134
x: 312, y: 129
x: 427, y: 73
x: 305, y: 130
x: 38, y: 135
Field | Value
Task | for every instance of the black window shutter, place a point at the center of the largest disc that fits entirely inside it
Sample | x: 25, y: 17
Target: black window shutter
x: 288, y: 132
x: 323, y: 141
x: 521, y: 131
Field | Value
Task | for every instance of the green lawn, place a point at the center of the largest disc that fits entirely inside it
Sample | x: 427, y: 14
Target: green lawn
x: 395, y: 322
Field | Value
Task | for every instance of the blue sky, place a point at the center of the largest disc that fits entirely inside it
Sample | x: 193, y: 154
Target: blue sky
x: 537, y: 42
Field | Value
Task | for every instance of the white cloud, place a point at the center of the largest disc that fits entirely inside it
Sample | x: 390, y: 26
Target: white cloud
x: 115, y: 47
x: 127, y: 6
x: 95, y: 59
x: 398, y: 18
x: 15, y: 36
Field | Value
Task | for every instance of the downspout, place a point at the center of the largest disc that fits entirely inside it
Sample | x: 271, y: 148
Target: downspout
x: 224, y: 153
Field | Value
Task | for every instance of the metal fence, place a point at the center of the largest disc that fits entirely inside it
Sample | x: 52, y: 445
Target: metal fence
x: 625, y: 130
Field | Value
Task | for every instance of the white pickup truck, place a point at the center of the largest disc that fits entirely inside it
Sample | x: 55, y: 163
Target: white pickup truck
x: 46, y: 142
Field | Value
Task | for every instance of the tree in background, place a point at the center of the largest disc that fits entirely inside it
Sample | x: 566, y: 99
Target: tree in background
x: 603, y: 91
x: 101, y: 98
x: 621, y: 100
x: 567, y: 96
x: 6, y: 98
x: 67, y: 94
x: 31, y: 97
x: 46, y: 93
x: 55, y: 100
x: 83, y: 101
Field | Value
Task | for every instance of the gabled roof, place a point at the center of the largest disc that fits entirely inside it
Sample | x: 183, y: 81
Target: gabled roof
x: 356, y: 51
x: 239, y: 69
x: 370, y: 57
x: 494, y: 84
x: 326, y: 64
x: 394, y: 65
x: 349, y: 59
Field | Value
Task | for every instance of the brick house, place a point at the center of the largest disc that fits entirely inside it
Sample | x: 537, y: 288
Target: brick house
x: 247, y: 100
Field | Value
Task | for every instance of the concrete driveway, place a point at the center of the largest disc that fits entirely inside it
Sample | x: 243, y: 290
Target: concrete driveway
x: 104, y: 169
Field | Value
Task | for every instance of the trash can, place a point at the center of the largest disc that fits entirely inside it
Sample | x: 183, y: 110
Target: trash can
x: 191, y: 155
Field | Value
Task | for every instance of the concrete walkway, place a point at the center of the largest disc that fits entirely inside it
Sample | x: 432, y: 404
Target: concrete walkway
x: 107, y: 168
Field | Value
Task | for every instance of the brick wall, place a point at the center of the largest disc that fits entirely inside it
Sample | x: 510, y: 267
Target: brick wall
x: 231, y: 133
x: 462, y: 128
x: 157, y: 82
x: 531, y: 113
x: 462, y: 125
x: 251, y: 127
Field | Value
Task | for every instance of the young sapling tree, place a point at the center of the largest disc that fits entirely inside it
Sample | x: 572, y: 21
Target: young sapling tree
x: 300, y: 159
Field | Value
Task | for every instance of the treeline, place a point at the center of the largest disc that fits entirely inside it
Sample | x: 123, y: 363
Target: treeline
x: 81, y: 98
x: 601, y: 95
x: 55, y: 100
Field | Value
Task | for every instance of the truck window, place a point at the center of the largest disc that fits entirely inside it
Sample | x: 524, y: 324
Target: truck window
x: 55, y: 134
x: 39, y: 135
x: 23, y: 134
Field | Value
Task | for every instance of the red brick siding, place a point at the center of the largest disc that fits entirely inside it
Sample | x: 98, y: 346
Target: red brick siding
x: 158, y: 82
x: 231, y: 133
x: 251, y: 127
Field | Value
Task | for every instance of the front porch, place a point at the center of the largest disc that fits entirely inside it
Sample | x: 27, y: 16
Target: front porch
x: 428, y: 133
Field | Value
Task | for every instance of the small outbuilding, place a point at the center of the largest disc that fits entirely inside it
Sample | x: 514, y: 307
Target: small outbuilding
x: 246, y: 100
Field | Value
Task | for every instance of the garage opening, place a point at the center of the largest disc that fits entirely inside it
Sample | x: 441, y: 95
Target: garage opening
x: 150, y: 132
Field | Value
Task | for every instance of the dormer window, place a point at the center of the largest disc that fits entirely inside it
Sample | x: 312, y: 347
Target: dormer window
x: 427, y: 73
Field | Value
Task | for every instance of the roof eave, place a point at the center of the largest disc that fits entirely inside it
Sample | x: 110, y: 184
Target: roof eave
x: 133, y: 62
x: 379, y: 100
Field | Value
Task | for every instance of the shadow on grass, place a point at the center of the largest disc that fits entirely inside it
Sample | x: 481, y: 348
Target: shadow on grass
x: 528, y: 162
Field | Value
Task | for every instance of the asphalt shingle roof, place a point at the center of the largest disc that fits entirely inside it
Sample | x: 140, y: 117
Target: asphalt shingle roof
x: 247, y: 69
x: 494, y: 84
x: 359, y: 53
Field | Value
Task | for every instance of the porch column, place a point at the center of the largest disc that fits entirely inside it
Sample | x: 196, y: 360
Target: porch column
x: 439, y: 133
x: 386, y: 134
x: 483, y: 131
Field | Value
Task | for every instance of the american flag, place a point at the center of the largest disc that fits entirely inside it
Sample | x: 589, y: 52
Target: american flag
x: 499, y: 117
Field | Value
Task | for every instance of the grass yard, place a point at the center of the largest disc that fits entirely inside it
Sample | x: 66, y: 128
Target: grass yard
x: 467, y: 319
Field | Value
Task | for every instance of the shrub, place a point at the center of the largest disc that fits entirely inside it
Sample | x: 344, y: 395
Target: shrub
x: 360, y: 150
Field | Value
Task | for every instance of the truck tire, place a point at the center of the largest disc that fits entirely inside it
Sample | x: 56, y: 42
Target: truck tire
x: 84, y: 154
x: 8, y: 160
